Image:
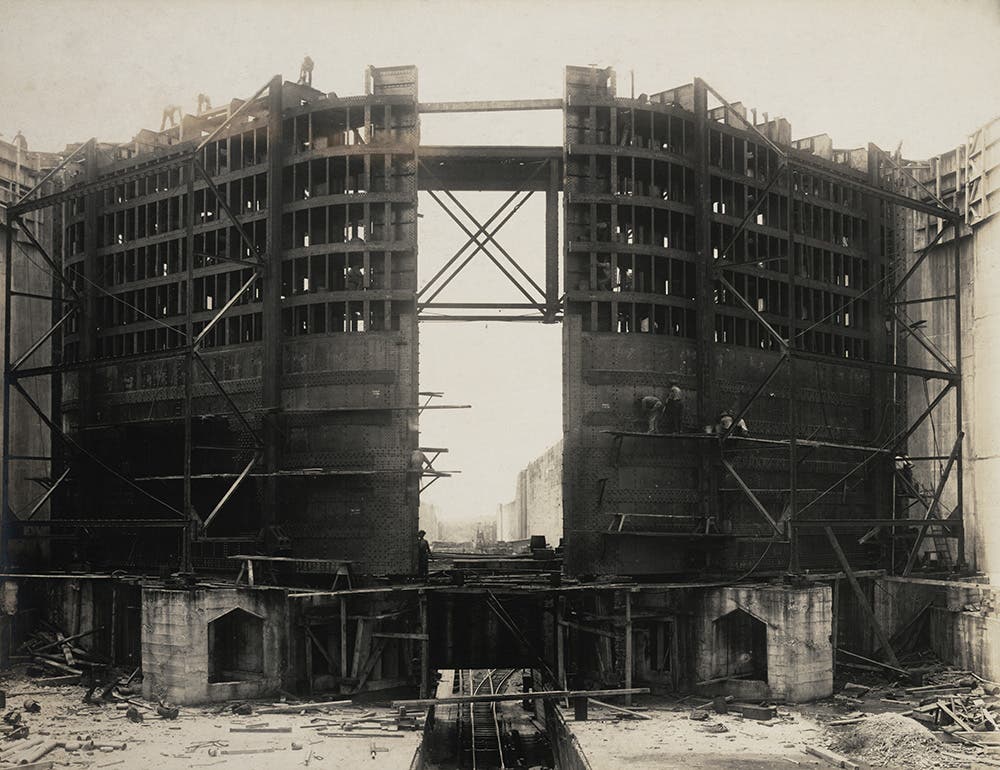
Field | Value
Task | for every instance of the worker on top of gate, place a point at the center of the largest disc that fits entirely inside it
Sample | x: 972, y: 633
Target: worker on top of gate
x: 652, y: 407
x: 171, y: 112
x: 306, y: 72
x: 204, y: 104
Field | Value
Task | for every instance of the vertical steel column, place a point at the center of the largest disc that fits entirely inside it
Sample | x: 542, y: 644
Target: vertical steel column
x: 876, y: 246
x: 88, y: 321
x: 959, y: 428
x: 793, y: 416
x: 56, y: 445
x: 189, y: 533
x: 552, y: 244
x: 706, y: 398
x: 271, y: 313
x: 5, y: 494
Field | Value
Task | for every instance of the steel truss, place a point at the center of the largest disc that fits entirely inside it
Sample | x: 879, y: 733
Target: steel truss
x: 542, y: 300
x: 15, y: 371
x: 950, y: 372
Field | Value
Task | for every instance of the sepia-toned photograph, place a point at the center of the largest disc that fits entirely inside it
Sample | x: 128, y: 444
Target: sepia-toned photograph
x: 494, y: 384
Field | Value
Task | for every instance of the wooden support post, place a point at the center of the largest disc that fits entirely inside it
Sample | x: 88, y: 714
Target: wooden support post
x: 835, y: 612
x: 360, y: 639
x: 862, y: 599
x: 343, y: 637
x: 560, y: 642
x: 309, y: 662
x: 628, y: 646
x: 114, y: 626
x: 425, y: 648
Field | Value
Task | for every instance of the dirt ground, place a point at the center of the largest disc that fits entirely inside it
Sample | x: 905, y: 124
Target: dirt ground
x: 672, y: 739
x: 188, y: 741
x: 729, y: 741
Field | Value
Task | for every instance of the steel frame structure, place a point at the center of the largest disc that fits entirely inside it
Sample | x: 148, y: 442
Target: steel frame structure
x: 187, y: 518
x: 881, y: 166
x: 542, y: 303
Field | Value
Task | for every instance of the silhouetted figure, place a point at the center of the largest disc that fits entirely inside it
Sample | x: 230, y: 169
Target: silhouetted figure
x: 423, y: 555
x: 673, y: 409
x: 306, y: 72
x: 172, y: 113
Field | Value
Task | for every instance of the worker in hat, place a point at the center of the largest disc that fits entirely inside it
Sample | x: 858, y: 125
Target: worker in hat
x: 652, y: 407
x: 423, y: 554
x: 725, y: 422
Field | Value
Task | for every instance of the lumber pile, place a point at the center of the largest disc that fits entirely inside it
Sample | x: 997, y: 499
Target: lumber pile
x: 53, y: 654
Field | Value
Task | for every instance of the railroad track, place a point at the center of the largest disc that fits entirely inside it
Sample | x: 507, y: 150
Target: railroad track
x: 485, y: 734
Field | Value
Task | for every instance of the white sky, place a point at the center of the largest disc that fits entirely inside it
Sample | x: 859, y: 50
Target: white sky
x: 886, y: 71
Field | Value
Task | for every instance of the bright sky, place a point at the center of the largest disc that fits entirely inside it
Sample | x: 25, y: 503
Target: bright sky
x: 924, y: 72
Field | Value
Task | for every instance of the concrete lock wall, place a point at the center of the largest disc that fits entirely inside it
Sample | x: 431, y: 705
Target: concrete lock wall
x: 537, y: 507
x: 964, y: 626
x: 175, y: 642
x: 799, y: 652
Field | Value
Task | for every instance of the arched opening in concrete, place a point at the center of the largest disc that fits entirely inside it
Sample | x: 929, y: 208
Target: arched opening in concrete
x: 741, y: 646
x: 235, y: 647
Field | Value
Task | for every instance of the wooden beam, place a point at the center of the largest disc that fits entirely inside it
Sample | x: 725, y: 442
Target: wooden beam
x: 400, y: 635
x: 506, y: 697
x: 862, y: 599
x: 588, y: 629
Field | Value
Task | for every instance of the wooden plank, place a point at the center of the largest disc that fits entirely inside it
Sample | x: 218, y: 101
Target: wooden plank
x: 369, y: 666
x: 588, y: 629
x: 835, y: 759
x: 613, y: 707
x: 359, y: 645
x: 862, y: 599
x: 504, y: 697
x: 400, y: 635
x: 955, y: 717
x: 875, y: 663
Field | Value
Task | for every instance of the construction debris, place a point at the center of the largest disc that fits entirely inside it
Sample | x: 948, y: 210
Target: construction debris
x: 890, y: 740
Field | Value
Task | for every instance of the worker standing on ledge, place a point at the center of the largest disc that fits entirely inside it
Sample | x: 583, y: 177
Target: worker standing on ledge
x: 171, y: 112
x: 674, y: 409
x: 204, y: 104
x: 725, y: 422
x: 652, y: 407
x: 423, y: 555
x: 306, y: 72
